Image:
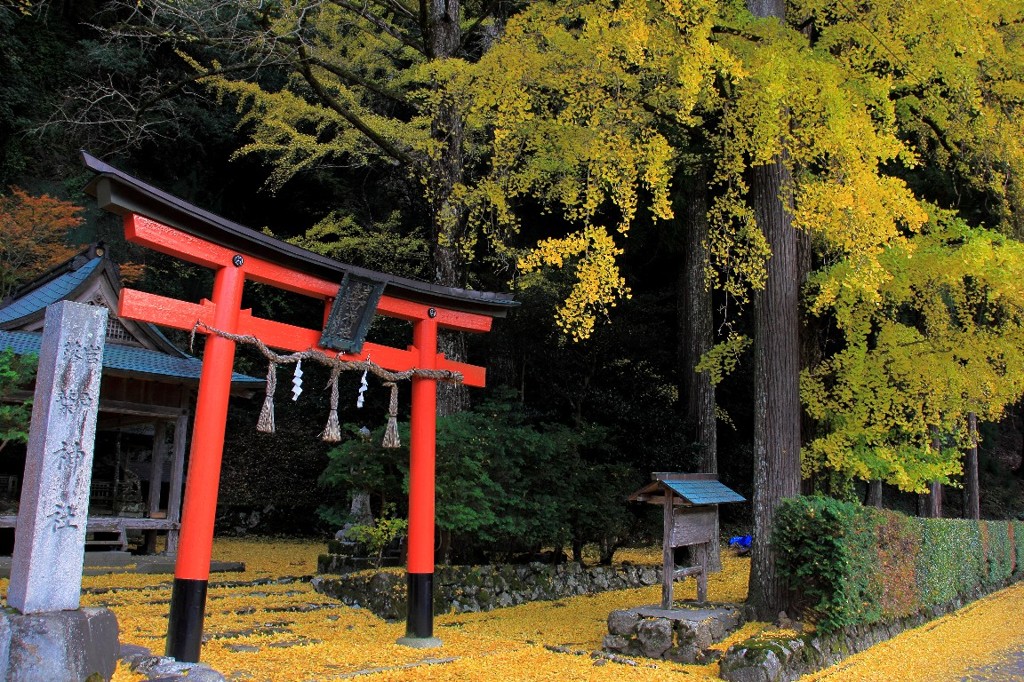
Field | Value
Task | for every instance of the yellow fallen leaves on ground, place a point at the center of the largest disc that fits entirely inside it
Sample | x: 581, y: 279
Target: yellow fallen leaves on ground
x: 285, y: 632
x: 953, y: 647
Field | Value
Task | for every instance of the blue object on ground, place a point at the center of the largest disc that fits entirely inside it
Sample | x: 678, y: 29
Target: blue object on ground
x: 740, y: 541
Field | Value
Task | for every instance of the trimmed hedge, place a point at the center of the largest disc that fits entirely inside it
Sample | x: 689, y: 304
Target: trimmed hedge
x: 858, y: 565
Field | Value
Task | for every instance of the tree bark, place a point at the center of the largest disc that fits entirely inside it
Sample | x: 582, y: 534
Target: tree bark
x: 695, y: 323
x: 695, y: 334
x: 442, y: 38
x: 776, y: 368
x: 972, y: 488
x: 776, y: 383
x: 874, y: 493
x: 934, y: 502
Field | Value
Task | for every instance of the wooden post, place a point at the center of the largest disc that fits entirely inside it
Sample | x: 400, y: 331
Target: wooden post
x: 668, y: 553
x: 702, y: 577
x: 177, y: 477
x: 156, y: 475
x: 419, y: 628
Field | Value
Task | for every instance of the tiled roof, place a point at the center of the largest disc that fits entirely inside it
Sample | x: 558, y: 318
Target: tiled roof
x: 704, y: 492
x: 137, y: 361
x: 51, y: 292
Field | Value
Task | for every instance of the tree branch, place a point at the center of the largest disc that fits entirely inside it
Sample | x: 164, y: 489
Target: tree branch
x: 488, y: 12
x: 353, y: 119
x: 354, y: 77
x: 380, y: 24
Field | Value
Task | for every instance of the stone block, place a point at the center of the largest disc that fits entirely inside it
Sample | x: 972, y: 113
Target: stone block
x: 133, y: 654
x: 687, y: 654
x: 654, y: 635
x: 623, y: 622
x: 60, y: 645
x: 616, y: 643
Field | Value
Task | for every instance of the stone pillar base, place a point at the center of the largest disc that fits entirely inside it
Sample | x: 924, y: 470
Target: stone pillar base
x: 58, y: 645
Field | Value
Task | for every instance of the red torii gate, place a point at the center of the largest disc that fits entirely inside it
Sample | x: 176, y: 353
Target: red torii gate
x: 174, y: 227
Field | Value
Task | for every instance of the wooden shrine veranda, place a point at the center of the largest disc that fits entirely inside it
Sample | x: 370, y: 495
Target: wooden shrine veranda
x: 146, y: 397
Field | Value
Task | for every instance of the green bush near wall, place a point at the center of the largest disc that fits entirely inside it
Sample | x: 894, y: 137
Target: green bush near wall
x: 1000, y: 553
x: 853, y: 565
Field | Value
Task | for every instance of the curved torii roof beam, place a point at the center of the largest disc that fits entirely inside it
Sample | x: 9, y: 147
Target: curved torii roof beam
x: 123, y: 194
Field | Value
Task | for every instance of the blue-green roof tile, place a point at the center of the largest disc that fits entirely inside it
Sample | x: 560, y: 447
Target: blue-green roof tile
x: 129, y: 359
x: 704, y: 492
x: 51, y: 292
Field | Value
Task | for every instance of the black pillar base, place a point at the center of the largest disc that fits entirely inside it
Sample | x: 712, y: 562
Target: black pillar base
x: 420, y: 622
x: 185, y: 623
x: 419, y: 625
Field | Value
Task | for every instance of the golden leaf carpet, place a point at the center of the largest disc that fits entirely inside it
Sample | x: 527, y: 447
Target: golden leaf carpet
x: 257, y: 630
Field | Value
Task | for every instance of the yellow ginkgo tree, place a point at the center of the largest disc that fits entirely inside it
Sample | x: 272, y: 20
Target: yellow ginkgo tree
x: 942, y: 338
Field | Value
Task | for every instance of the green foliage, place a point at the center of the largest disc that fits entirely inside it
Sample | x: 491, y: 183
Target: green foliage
x: 504, y: 484
x: 827, y: 548
x: 951, y: 561
x: 381, y: 247
x: 723, y: 357
x: 377, y: 536
x: 16, y: 371
x: 955, y: 85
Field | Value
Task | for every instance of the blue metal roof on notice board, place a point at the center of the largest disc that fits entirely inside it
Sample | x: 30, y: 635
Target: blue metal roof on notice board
x: 51, y: 292
x: 138, y: 361
x: 704, y: 492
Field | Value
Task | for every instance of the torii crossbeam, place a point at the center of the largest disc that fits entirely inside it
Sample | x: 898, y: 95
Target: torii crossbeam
x: 236, y: 253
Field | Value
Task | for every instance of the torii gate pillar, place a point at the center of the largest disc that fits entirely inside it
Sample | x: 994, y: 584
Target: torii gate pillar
x: 192, y: 568
x: 419, y: 627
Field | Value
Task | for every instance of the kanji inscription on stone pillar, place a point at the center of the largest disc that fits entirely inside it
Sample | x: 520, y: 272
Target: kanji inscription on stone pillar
x: 49, y: 542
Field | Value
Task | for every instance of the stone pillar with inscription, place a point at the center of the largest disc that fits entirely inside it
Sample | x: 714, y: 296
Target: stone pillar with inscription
x: 49, y: 545
x: 52, y: 638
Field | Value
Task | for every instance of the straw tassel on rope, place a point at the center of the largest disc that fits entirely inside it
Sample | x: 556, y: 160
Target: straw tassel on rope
x: 391, y: 439
x: 332, y: 432
x: 266, y: 421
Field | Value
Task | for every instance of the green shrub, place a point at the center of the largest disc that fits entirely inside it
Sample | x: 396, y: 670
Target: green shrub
x: 999, y: 553
x: 856, y: 565
x: 377, y: 536
x: 951, y: 560
x: 827, y: 547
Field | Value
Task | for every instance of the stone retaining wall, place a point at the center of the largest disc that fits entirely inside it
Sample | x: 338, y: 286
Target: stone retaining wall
x: 463, y: 589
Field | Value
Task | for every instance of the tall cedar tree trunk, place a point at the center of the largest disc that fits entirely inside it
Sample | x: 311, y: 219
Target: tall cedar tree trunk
x: 695, y: 336
x: 441, y: 33
x: 776, y: 369
x: 972, y: 488
x: 776, y: 385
